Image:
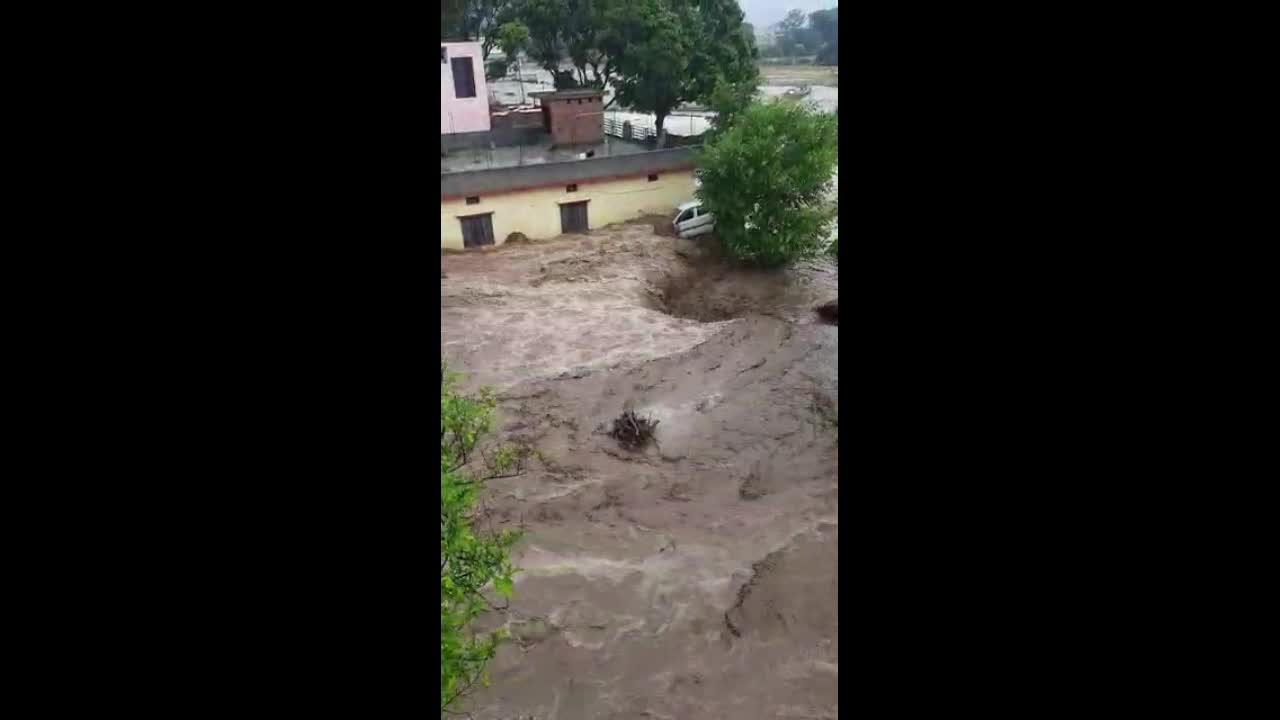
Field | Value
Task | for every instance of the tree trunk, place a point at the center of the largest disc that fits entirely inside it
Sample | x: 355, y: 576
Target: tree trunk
x: 520, y: 77
x: 662, y: 117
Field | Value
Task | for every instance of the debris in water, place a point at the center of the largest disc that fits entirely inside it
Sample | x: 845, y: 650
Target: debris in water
x: 829, y: 312
x: 633, y: 431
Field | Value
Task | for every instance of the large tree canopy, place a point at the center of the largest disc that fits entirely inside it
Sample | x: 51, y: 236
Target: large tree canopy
x: 818, y: 32
x: 577, y: 30
x: 474, y: 20
x: 677, y: 51
x: 656, y: 54
x: 826, y: 23
x: 656, y: 41
x: 451, y: 13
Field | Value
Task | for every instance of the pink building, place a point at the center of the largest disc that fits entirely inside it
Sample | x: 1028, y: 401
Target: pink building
x: 464, y: 97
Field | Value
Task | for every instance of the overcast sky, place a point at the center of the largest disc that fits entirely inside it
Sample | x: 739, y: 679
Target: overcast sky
x: 762, y: 13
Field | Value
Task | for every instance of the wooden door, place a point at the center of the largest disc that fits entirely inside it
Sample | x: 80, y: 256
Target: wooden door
x: 573, y: 217
x: 477, y: 230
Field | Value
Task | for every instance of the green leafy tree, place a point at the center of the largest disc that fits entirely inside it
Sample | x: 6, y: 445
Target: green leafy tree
x: 656, y: 54
x: 766, y: 179
x: 724, y: 49
x: 586, y: 35
x: 789, y: 30
x: 576, y: 30
x: 474, y: 19
x: 729, y: 99
x: 513, y: 38
x: 793, y: 22
x: 544, y: 18
x: 471, y: 559
x: 451, y: 18
x: 795, y: 37
x: 674, y: 51
x: 826, y: 24
x: 656, y: 43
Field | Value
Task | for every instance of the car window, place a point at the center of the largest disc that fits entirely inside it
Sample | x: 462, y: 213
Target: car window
x: 684, y: 215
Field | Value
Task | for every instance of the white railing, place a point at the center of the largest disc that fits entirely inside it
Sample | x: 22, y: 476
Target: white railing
x: 639, y: 131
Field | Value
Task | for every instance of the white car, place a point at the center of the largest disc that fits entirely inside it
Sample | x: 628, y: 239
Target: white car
x: 691, y: 220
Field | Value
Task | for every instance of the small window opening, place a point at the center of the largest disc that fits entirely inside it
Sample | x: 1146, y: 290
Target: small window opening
x: 652, y: 178
x: 571, y: 188
x: 473, y: 200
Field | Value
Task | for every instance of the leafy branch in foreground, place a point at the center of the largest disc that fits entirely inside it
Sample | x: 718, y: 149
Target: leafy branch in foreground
x: 471, y: 558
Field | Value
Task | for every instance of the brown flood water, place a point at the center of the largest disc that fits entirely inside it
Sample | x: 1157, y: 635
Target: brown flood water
x: 697, y: 578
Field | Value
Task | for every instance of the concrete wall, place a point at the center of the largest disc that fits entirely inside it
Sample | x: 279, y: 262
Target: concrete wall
x: 510, y: 179
x: 497, y: 137
x: 517, y: 119
x: 461, y: 115
x: 536, y: 212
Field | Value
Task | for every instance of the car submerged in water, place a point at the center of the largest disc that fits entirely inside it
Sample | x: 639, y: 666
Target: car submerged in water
x: 692, y: 220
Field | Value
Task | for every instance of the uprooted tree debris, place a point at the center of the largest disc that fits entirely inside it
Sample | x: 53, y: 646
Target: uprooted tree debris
x: 829, y: 312
x: 633, y: 431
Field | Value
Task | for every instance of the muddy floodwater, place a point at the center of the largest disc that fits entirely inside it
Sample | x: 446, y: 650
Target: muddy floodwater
x: 696, y: 578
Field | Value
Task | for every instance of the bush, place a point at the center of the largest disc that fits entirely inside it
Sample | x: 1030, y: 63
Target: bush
x: 469, y: 560
x: 765, y: 178
x: 495, y: 69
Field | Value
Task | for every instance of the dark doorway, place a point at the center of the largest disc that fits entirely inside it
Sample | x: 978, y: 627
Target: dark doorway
x: 573, y: 217
x: 464, y: 78
x: 477, y: 230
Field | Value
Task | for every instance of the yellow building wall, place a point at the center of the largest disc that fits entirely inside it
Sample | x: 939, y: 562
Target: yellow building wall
x: 536, y: 213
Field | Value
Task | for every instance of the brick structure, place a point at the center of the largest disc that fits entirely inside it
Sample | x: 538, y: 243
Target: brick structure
x: 573, y: 117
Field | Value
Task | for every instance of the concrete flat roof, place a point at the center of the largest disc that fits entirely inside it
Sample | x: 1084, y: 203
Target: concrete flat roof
x: 528, y: 177
x: 485, y: 158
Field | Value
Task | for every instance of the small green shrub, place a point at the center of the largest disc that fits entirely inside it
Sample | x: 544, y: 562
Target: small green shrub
x: 471, y: 560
